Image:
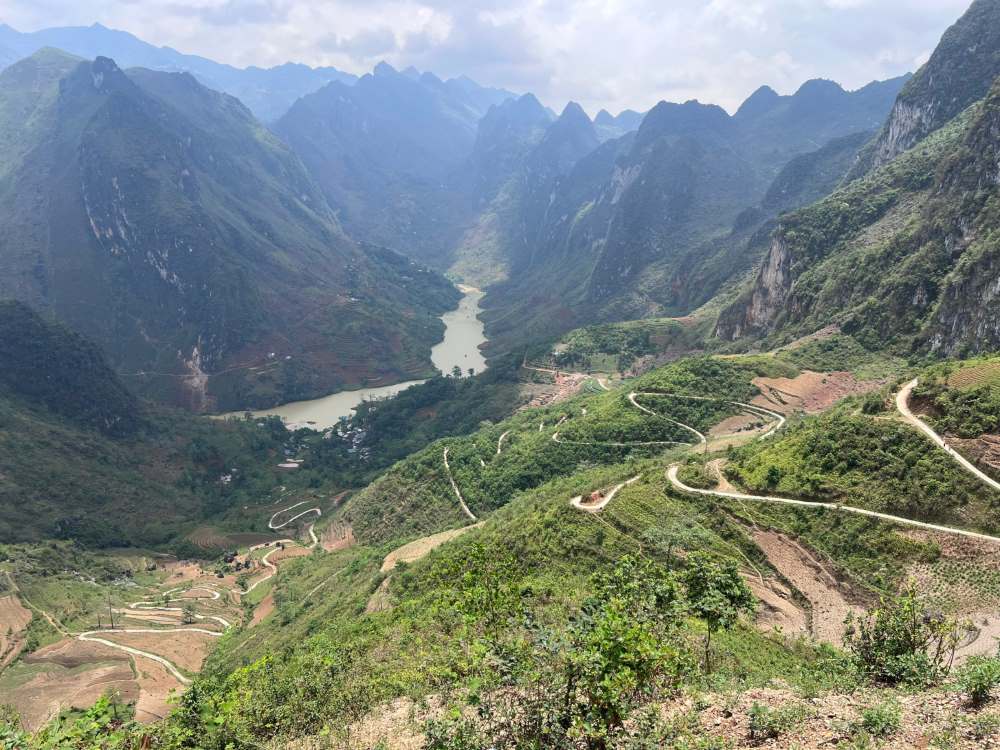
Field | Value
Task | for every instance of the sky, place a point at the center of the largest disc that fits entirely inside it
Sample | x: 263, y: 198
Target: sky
x: 614, y: 54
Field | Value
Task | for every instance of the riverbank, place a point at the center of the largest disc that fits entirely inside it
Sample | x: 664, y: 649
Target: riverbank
x: 464, y: 334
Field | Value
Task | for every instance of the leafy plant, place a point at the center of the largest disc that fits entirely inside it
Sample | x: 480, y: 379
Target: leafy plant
x: 882, y: 720
x: 717, y: 594
x: 770, y: 723
x: 576, y: 687
x: 901, y: 641
x: 977, y: 678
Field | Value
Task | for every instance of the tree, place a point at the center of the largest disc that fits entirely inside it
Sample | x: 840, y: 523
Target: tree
x: 717, y: 594
x: 187, y: 613
x: 456, y: 371
x: 471, y: 371
x: 577, y: 686
x: 902, y: 641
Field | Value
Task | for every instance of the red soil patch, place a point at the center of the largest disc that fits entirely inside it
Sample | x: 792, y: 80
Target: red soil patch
x: 288, y: 553
x: 186, y: 650
x: 337, y: 536
x: 735, y: 424
x: 983, y: 450
x: 156, y: 685
x: 829, y: 600
x: 14, y: 618
x: 810, y: 391
x: 263, y: 609
x: 70, y: 674
x: 778, y: 610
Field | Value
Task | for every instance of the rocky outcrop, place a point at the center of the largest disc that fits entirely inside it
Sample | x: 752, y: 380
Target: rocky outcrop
x: 959, y: 73
x: 909, y: 256
x: 755, y: 312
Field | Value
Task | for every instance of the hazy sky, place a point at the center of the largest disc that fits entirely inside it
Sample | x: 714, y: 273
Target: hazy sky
x: 602, y: 53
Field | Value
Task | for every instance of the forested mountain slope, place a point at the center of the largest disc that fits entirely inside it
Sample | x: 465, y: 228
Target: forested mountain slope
x: 385, y: 152
x: 905, y: 257
x: 161, y: 220
x: 654, y: 224
x: 82, y: 459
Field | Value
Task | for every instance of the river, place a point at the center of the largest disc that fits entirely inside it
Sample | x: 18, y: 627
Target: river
x: 462, y: 336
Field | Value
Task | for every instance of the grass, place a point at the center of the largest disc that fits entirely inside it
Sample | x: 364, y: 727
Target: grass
x: 884, y: 465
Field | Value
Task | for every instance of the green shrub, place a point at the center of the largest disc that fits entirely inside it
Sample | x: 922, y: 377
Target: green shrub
x: 985, y: 727
x: 563, y: 688
x: 882, y: 720
x: 770, y: 723
x: 899, y: 641
x: 977, y: 678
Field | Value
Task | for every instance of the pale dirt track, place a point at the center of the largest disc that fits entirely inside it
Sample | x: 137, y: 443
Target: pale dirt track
x: 419, y: 548
x: 409, y: 553
x: 14, y: 618
x: 672, y: 476
x: 581, y: 503
x: 902, y: 404
x: 458, y: 493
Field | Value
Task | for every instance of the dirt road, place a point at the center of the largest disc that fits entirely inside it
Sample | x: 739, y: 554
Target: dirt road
x: 678, y: 484
x: 902, y: 404
x: 458, y: 493
x: 580, y: 503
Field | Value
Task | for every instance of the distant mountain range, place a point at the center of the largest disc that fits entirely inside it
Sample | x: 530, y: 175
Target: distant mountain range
x: 206, y: 239
x: 905, y: 255
x: 163, y: 221
x: 268, y: 92
x: 656, y: 222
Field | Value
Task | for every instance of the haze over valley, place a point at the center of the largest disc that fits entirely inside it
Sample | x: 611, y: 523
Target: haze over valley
x: 500, y: 377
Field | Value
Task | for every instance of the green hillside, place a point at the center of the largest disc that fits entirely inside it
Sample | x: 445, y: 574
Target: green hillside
x: 82, y: 459
x: 162, y: 221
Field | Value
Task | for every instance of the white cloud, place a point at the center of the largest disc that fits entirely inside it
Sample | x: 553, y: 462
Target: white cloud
x: 602, y: 53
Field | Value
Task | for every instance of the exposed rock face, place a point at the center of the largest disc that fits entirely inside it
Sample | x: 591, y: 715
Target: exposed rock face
x: 654, y: 223
x: 159, y: 219
x: 907, y: 124
x: 769, y: 293
x: 960, y: 72
x: 968, y: 316
x: 909, y: 255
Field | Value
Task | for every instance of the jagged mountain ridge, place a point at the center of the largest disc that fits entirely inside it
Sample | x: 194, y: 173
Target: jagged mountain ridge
x: 958, y: 73
x: 669, y: 199
x: 905, y: 255
x: 386, y: 152
x: 268, y: 92
x: 161, y: 220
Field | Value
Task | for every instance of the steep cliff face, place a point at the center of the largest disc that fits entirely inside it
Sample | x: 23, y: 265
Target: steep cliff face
x: 908, y: 256
x: 657, y: 222
x: 767, y: 297
x: 968, y: 315
x: 159, y: 219
x: 959, y: 72
x: 387, y: 153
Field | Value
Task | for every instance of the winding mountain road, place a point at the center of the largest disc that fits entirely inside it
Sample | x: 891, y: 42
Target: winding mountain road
x: 779, y: 419
x: 902, y: 405
x: 632, y: 396
x: 580, y: 504
x: 92, y: 636
x: 500, y: 441
x: 678, y: 484
x: 458, y: 493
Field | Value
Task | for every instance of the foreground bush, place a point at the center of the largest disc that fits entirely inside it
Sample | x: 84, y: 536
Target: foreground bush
x: 977, y: 679
x: 901, y: 642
